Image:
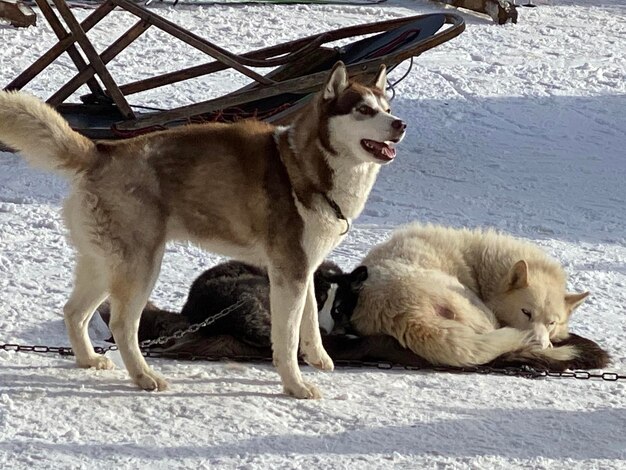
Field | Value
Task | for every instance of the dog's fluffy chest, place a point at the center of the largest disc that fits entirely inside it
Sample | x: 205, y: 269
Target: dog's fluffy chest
x: 351, y: 186
x: 322, y: 231
x: 323, y: 227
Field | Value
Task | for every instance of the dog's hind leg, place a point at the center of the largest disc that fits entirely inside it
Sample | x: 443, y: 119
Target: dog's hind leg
x: 310, y: 338
x: 287, y: 299
x: 89, y: 291
x: 131, y: 284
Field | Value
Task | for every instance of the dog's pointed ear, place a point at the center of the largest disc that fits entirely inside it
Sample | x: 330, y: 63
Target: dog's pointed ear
x: 518, y: 276
x: 573, y: 300
x: 357, y: 278
x: 336, y: 82
x: 381, y: 78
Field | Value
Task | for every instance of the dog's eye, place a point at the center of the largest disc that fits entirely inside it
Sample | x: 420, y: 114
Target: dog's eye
x: 365, y: 109
x: 552, y: 323
x: 528, y: 313
x: 388, y: 110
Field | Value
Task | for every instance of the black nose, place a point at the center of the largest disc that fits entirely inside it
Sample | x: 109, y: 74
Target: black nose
x: 398, y: 124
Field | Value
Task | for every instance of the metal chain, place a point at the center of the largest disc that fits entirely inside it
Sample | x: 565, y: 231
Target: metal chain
x: 178, y: 334
x: 524, y: 371
x: 62, y: 350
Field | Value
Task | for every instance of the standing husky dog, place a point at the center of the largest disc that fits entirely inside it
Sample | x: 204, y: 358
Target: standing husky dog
x: 446, y: 294
x: 270, y: 196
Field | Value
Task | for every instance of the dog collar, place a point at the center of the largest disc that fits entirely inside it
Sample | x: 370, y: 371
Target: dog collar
x: 335, y: 207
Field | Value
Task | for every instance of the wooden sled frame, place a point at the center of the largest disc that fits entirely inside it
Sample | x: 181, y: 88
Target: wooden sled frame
x: 302, y: 66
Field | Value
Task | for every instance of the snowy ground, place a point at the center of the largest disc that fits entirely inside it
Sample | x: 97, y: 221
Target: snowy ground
x: 522, y: 127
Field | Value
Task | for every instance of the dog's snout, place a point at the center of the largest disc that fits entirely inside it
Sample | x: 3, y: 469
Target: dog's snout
x: 398, y: 125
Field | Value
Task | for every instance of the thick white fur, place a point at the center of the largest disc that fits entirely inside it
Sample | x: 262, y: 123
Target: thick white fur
x: 47, y: 141
x: 446, y: 294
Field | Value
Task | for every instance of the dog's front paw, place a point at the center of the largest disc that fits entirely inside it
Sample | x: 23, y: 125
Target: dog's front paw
x: 540, y: 341
x: 545, y: 343
x: 320, y: 360
x: 97, y: 362
x: 151, y: 381
x: 303, y: 390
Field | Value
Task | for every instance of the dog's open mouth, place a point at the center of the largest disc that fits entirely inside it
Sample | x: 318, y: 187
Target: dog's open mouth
x: 381, y: 150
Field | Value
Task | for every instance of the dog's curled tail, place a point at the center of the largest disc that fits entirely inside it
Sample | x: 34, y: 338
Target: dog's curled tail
x: 41, y: 134
x: 574, y: 352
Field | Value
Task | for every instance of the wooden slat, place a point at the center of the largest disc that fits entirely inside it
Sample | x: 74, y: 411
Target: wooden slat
x: 61, y: 33
x: 172, y: 77
x: 94, y: 59
x: 107, y: 55
x: 36, y: 67
x: 212, y: 67
x: 193, y: 40
x: 55, y: 51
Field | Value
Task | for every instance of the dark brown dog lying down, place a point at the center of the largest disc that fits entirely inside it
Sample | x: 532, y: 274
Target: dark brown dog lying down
x: 246, y: 331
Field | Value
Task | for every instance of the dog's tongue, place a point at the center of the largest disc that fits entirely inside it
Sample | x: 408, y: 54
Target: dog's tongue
x: 388, y: 151
x: 380, y: 149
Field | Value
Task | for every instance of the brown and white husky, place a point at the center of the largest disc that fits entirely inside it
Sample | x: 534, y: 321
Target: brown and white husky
x: 271, y: 196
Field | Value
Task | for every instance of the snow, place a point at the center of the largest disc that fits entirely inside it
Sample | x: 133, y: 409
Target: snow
x: 521, y: 127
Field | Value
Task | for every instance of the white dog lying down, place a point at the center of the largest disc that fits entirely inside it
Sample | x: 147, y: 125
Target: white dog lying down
x: 463, y: 297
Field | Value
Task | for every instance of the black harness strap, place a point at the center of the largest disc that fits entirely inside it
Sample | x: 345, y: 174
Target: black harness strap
x: 335, y: 207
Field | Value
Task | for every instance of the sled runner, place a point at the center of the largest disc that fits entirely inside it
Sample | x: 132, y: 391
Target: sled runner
x: 298, y: 68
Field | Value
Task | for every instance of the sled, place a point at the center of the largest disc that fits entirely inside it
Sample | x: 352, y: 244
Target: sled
x: 298, y: 69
